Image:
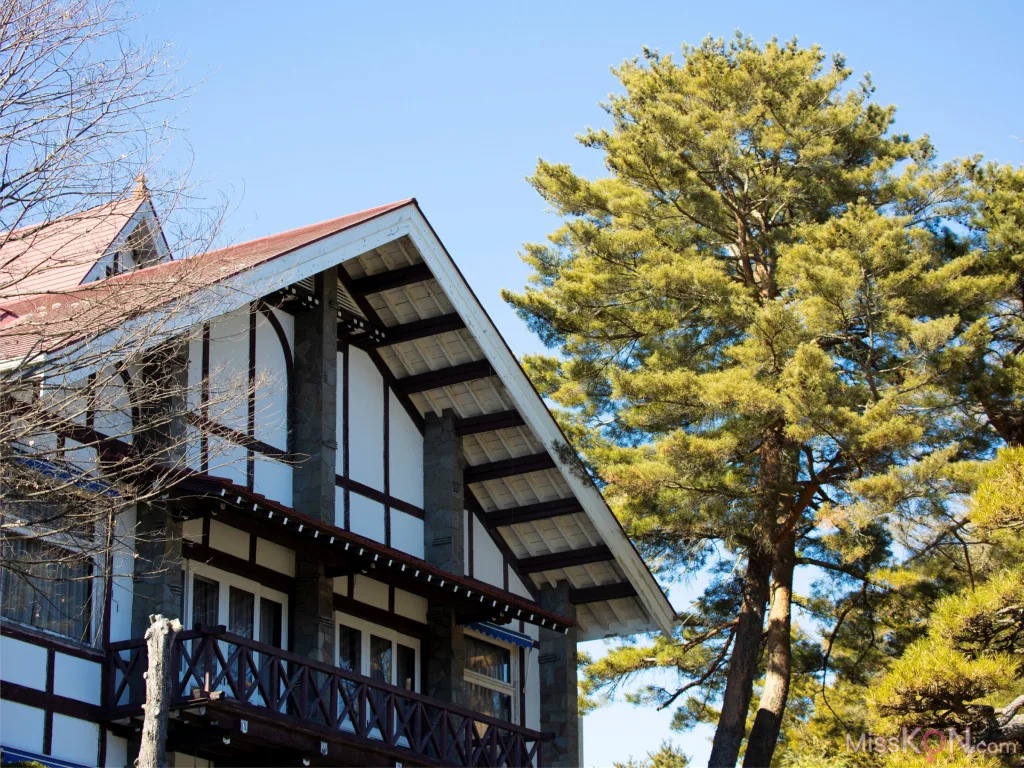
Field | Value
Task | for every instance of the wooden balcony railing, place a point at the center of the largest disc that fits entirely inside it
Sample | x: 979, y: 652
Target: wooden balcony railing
x: 209, y: 660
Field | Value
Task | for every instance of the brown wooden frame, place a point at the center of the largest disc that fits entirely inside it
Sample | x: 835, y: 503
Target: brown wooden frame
x: 209, y: 662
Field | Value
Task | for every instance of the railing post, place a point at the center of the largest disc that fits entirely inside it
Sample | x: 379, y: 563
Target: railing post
x: 274, y: 686
x: 364, y: 711
x: 208, y: 659
x: 443, y: 723
x: 176, y: 668
x: 417, y: 728
x: 389, y: 717
x: 242, y: 687
x: 304, y: 693
x: 334, y: 702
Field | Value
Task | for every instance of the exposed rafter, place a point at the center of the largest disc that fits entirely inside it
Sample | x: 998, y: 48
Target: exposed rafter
x: 443, y: 377
x: 614, y: 591
x: 567, y: 559
x: 418, y: 329
x: 526, y: 514
x: 385, y: 281
x: 488, y: 422
x: 520, y: 465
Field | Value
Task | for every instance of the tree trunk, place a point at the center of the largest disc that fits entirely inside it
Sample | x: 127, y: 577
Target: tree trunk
x: 765, y: 732
x: 774, y: 471
x: 159, y: 642
x: 739, y: 686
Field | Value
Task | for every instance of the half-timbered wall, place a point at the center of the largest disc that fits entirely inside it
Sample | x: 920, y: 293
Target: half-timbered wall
x: 51, y: 700
x: 380, y: 458
x: 244, y: 357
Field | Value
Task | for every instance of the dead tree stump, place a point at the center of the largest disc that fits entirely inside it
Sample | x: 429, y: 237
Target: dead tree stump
x: 159, y: 643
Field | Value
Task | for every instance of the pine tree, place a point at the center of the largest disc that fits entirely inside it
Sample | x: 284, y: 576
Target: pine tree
x: 987, y: 368
x: 749, y: 312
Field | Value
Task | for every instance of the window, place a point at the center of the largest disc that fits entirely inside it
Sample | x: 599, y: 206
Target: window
x: 490, y: 685
x: 405, y: 667
x: 380, y: 658
x: 51, y: 589
x: 243, y: 606
x: 378, y: 652
x: 350, y: 649
x: 271, y: 613
x: 241, y: 612
x: 205, y: 602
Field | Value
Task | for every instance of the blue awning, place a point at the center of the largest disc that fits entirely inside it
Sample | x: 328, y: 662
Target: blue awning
x: 12, y: 755
x: 501, y: 633
x: 51, y: 469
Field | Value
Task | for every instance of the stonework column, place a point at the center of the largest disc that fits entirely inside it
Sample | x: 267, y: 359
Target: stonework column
x: 313, y: 610
x: 443, y: 546
x: 558, y: 707
x: 315, y: 445
x: 158, y: 579
x: 315, y: 369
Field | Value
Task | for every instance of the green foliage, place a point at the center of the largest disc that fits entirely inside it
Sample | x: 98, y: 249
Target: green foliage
x: 998, y: 503
x: 973, y: 650
x: 987, y: 371
x: 754, y: 312
x: 667, y: 756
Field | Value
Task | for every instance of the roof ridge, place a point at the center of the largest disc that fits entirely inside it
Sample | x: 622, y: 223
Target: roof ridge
x: 325, y: 222
x: 27, y: 228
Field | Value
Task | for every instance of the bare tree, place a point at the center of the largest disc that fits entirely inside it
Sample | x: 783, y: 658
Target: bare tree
x: 98, y: 305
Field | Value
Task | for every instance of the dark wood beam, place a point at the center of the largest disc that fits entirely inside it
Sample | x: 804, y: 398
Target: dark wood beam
x: 603, y: 592
x: 540, y: 511
x: 582, y: 556
x: 488, y: 422
x: 380, y: 616
x: 507, y: 467
x: 368, y: 331
x: 395, y: 278
x: 418, y: 329
x: 443, y: 377
x: 270, y: 578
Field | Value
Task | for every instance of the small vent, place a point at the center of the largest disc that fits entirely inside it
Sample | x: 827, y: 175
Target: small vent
x: 346, y: 302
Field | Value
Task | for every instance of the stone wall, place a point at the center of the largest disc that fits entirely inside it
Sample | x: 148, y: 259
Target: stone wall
x: 558, y: 694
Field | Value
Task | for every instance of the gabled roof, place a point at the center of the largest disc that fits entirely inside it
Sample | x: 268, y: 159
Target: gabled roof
x: 57, y: 256
x: 418, y: 317
x: 66, y: 312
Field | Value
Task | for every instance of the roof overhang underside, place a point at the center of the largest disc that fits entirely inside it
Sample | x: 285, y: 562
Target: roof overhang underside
x: 404, y: 300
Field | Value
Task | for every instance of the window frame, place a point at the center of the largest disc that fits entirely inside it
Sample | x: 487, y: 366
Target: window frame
x: 510, y: 688
x: 367, y: 628
x: 94, y: 624
x: 225, y: 580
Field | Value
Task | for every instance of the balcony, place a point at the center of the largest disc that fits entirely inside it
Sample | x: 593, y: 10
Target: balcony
x: 258, y: 695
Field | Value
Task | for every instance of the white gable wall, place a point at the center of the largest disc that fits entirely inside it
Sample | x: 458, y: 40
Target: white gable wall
x: 339, y: 417
x: 407, y: 533
x: 366, y: 422
x: 229, y: 369
x: 405, y: 451
x: 488, y: 562
x: 273, y: 479
x: 271, y: 386
x: 367, y: 517
x: 123, y: 565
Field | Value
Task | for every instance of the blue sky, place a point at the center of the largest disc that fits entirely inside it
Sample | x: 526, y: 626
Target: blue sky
x: 310, y: 110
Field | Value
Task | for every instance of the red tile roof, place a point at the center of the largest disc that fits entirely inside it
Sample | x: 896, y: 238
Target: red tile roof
x: 53, y: 320
x: 58, y: 255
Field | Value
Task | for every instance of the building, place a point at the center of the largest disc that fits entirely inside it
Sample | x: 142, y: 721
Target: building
x: 385, y: 556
